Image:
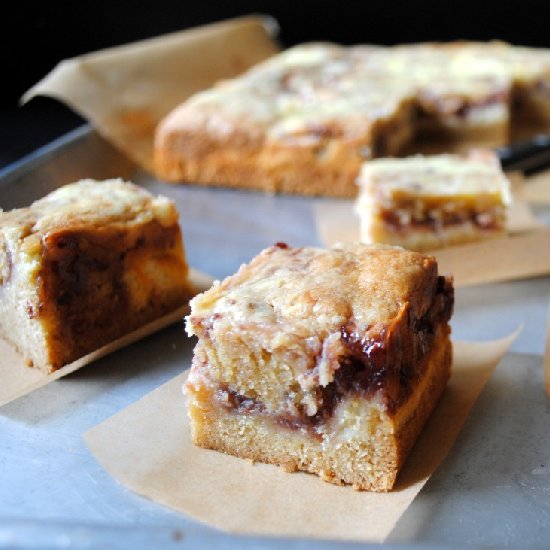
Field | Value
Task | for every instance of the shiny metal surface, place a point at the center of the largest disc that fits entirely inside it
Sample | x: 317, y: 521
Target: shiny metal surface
x: 493, y: 489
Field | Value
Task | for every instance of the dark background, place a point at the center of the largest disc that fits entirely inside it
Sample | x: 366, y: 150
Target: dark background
x: 36, y: 36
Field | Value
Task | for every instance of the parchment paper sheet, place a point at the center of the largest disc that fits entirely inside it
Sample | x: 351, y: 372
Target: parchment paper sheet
x: 524, y: 253
x: 147, y: 448
x: 124, y: 91
x: 18, y: 379
x: 536, y: 189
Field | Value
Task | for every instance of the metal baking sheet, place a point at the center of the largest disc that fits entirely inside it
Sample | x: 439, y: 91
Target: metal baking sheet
x: 492, y: 490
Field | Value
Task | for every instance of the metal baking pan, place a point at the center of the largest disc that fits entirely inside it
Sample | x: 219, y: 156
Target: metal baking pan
x: 492, y: 490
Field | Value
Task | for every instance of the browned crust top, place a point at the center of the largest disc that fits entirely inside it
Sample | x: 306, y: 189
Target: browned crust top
x: 316, y: 291
x: 88, y: 204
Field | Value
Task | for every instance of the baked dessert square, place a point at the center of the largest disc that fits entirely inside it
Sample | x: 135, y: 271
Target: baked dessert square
x: 327, y: 361
x: 305, y: 120
x: 85, y: 265
x: 429, y: 202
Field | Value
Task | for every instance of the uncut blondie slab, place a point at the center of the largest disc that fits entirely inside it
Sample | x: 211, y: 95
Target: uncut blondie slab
x: 429, y: 202
x: 305, y: 120
x: 322, y: 360
x: 85, y: 265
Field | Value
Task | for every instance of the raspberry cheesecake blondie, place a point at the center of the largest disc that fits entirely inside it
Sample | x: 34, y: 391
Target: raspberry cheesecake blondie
x: 429, y: 202
x: 85, y: 265
x: 328, y: 361
x: 305, y: 120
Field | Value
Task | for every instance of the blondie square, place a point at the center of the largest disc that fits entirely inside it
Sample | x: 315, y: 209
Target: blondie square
x: 327, y: 361
x: 429, y: 202
x: 85, y: 265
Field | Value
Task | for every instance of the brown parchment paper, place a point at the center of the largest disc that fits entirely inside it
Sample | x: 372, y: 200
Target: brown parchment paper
x: 512, y: 258
x: 124, y: 91
x: 535, y: 189
x: 18, y: 379
x: 147, y: 448
x: 524, y: 253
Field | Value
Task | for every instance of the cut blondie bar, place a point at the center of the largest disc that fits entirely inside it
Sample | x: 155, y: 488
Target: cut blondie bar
x: 328, y: 361
x: 428, y: 202
x: 85, y: 265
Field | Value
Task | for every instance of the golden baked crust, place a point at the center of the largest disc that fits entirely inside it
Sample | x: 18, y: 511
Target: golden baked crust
x: 428, y: 202
x: 308, y: 343
x: 86, y: 264
x: 304, y: 120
